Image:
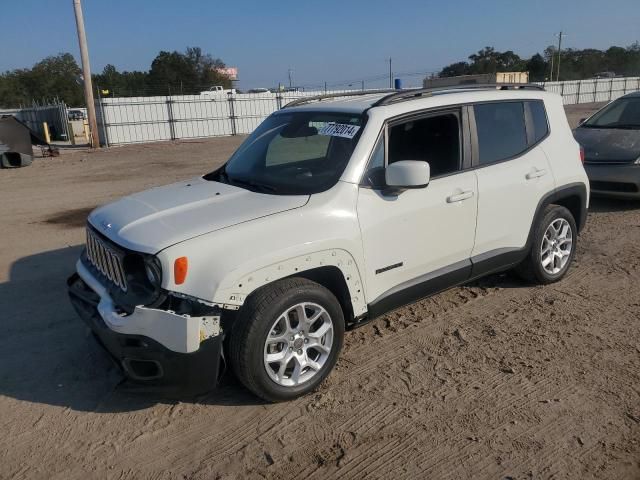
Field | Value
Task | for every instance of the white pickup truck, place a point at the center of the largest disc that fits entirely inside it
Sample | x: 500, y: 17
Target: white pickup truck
x: 218, y: 91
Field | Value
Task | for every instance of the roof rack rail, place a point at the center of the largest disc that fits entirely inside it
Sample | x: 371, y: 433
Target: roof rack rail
x: 403, y: 95
x: 410, y: 94
x: 319, y: 98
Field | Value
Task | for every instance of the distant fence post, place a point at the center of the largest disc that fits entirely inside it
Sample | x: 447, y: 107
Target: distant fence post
x: 102, y: 119
x: 64, y: 122
x: 172, y: 129
x: 610, y: 89
x: 595, y: 90
x: 626, y: 79
x: 578, y: 94
x: 278, y: 100
x: 232, y: 113
x: 562, y: 91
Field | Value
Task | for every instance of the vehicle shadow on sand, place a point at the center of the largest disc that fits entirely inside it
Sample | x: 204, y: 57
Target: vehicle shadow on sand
x: 47, y: 354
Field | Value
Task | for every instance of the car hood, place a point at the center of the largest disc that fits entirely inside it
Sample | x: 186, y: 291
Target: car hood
x: 155, y: 219
x: 609, y: 144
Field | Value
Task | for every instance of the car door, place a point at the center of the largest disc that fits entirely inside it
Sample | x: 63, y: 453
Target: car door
x: 417, y: 242
x: 513, y: 173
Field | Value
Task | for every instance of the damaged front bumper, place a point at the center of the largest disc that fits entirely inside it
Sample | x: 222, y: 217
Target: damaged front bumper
x: 156, y: 349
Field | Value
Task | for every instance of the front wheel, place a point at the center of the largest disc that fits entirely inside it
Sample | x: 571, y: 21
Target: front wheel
x: 286, y: 339
x: 553, y: 247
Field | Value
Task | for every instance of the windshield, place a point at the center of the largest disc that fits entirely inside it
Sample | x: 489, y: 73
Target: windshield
x: 623, y: 113
x: 293, y: 153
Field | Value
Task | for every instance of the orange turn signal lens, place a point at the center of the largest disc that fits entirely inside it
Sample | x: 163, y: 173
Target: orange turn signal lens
x: 180, y: 268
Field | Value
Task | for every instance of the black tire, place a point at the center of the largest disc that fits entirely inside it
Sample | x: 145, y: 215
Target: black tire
x: 531, y: 269
x: 254, y: 322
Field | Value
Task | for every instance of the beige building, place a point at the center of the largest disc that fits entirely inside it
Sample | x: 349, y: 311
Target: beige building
x: 500, y: 77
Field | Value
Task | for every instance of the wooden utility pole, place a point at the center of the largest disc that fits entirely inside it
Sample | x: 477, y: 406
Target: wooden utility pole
x: 559, y: 55
x: 86, y: 73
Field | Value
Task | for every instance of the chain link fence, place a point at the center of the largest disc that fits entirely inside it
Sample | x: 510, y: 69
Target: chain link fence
x: 54, y: 114
x: 125, y: 120
x: 172, y: 117
x: 593, y: 90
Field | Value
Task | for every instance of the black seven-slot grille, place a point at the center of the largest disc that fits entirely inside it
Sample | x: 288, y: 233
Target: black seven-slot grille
x: 106, y: 260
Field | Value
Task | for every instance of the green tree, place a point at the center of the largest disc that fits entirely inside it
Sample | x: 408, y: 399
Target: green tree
x: 538, y: 68
x: 617, y: 59
x: 60, y: 77
x: 456, y: 69
x: 53, y: 77
x: 172, y: 69
x: 56, y: 77
x: 484, y: 61
x: 574, y: 64
x: 13, y: 89
x: 121, y: 83
x: 188, y: 73
x: 509, y: 62
x: 633, y: 60
x: 206, y: 67
x: 487, y: 60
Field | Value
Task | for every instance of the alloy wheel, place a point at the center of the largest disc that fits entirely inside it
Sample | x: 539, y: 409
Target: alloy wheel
x: 299, y: 344
x: 556, y: 246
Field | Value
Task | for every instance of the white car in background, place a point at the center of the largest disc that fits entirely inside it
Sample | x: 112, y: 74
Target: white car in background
x: 331, y: 213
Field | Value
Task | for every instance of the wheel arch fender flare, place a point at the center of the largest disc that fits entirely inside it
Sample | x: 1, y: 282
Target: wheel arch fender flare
x: 321, y: 266
x: 573, y: 196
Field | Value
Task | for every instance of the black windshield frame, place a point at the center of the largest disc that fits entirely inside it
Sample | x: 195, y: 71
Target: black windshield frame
x: 248, y: 167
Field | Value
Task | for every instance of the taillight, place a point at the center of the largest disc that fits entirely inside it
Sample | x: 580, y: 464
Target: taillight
x: 582, y: 154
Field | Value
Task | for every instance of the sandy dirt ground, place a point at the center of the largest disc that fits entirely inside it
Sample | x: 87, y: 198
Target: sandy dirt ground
x: 495, y: 379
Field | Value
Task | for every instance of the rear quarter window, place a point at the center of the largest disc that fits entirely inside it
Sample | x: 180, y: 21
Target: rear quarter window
x: 540, y: 124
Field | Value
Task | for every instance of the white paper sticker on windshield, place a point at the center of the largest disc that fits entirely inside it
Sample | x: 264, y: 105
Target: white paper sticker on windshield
x: 339, y: 130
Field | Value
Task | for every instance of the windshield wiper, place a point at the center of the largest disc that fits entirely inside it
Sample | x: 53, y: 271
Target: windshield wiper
x: 613, y: 126
x: 250, y: 183
x: 627, y: 126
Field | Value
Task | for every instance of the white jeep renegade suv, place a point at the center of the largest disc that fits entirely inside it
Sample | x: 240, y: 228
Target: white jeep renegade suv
x: 331, y: 213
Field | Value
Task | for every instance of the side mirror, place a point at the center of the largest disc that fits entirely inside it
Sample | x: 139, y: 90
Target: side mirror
x: 406, y: 174
x: 581, y: 121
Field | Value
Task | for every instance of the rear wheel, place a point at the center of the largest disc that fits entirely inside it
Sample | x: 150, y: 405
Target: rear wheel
x: 553, y: 247
x: 286, y: 339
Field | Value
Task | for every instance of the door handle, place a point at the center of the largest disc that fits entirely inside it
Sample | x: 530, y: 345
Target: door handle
x: 536, y: 174
x: 458, y: 197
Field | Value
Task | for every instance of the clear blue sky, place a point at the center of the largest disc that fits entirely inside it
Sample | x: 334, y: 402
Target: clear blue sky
x: 321, y: 41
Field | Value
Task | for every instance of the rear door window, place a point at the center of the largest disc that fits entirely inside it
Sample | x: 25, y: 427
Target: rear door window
x: 501, y: 129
